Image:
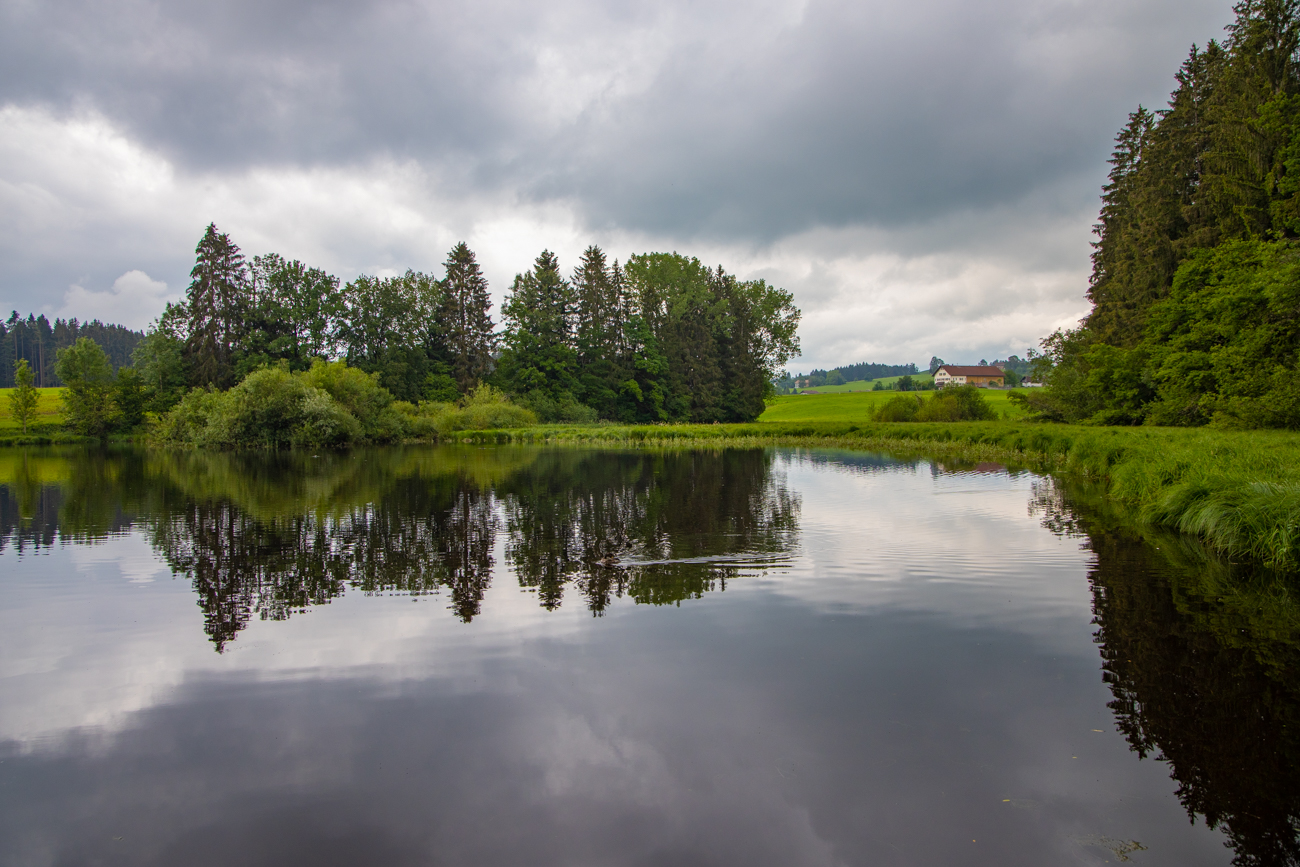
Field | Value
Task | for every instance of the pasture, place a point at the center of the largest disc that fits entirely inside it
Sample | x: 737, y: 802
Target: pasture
x: 49, y: 410
x: 858, y: 406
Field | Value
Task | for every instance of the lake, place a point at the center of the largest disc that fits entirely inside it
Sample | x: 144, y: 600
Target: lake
x: 501, y: 656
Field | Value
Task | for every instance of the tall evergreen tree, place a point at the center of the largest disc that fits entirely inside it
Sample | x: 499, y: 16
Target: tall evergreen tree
x: 216, y: 302
x: 538, y: 360
x: 599, y: 311
x: 465, y: 323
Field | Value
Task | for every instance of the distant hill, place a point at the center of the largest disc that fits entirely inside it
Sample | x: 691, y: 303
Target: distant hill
x: 38, y: 341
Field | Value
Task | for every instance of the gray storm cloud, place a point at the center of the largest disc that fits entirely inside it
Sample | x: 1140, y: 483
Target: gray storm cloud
x: 700, y: 123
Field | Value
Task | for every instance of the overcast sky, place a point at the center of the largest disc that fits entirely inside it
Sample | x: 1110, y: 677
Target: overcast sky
x: 922, y: 175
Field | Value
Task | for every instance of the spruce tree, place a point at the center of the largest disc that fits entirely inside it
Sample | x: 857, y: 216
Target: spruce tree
x: 539, y: 361
x: 465, y: 322
x: 599, y: 309
x: 218, y: 293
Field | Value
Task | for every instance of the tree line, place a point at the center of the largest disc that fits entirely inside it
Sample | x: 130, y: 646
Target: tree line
x: 786, y: 384
x: 661, y: 337
x: 1196, y: 269
x: 37, y: 341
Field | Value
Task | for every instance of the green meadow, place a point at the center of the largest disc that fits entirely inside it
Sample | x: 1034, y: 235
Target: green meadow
x: 49, y: 414
x: 858, y: 406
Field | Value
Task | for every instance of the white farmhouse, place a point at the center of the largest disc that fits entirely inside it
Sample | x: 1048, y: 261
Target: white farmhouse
x: 981, y: 376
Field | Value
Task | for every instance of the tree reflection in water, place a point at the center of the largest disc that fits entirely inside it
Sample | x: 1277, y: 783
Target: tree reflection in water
x: 1203, y: 660
x: 269, y: 535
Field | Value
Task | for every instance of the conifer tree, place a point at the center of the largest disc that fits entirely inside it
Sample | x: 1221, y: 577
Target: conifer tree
x: 599, y: 310
x: 465, y: 321
x: 216, y: 299
x: 539, y: 356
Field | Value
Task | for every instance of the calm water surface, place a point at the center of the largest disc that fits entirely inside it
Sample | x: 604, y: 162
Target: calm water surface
x: 431, y: 657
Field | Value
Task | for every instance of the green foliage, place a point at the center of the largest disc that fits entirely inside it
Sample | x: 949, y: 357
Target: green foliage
x: 901, y: 407
x: 130, y: 398
x: 1222, y: 346
x: 362, y: 396
x: 538, y: 353
x: 389, y: 327
x: 270, y: 408
x: 1194, y: 278
x: 964, y: 403
x: 88, y: 396
x: 159, y: 359
x: 565, y: 408
x: 329, y: 405
x: 294, y: 316
x: 439, y: 385
x: 464, y: 323
x: 216, y: 305
x: 23, y: 397
x: 721, y: 340
x: 667, y: 339
x: 484, y: 408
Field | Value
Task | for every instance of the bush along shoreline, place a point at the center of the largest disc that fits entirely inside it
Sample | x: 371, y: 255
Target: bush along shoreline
x: 329, y: 405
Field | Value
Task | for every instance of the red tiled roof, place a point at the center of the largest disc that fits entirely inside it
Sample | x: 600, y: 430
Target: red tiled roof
x: 977, y: 370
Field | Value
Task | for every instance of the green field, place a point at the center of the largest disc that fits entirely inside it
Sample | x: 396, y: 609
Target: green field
x: 858, y: 406
x: 868, y: 384
x: 49, y: 410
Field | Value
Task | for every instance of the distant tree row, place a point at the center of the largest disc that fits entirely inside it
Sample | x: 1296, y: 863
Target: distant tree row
x: 1196, y: 268
x: 660, y: 338
x: 786, y: 384
x: 37, y: 342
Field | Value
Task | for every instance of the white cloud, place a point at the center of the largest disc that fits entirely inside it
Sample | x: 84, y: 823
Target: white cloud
x: 134, y: 300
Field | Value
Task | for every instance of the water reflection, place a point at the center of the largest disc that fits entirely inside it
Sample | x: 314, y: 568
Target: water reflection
x: 270, y: 535
x: 1201, y: 657
x: 1203, y: 660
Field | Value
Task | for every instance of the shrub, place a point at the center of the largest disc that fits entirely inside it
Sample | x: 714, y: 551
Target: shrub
x: 187, y: 422
x: 329, y: 405
x: 484, y: 408
x: 562, y: 408
x: 270, y: 408
x: 964, y: 403
x: 902, y: 407
x: 130, y: 397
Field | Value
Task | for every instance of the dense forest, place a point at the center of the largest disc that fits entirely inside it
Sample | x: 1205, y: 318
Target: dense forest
x: 660, y: 337
x: 35, y: 340
x: 1196, y: 268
